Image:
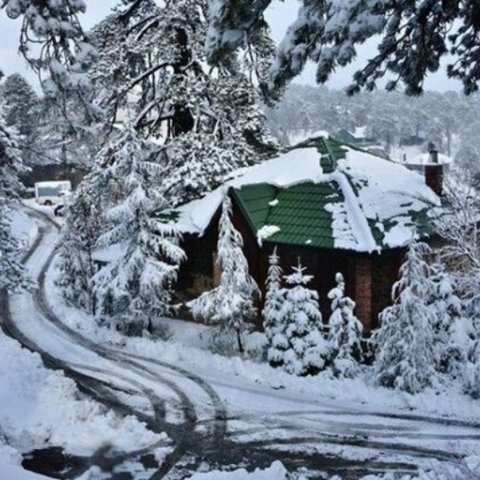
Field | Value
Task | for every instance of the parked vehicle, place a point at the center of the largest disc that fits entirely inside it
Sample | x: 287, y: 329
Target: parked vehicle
x: 52, y: 193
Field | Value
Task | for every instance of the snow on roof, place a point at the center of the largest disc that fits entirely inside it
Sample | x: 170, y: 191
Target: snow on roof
x: 360, y: 132
x: 296, y: 166
x: 53, y: 183
x: 376, y: 192
x: 424, y: 159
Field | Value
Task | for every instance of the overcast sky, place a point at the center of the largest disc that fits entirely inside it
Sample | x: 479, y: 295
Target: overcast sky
x: 279, y: 16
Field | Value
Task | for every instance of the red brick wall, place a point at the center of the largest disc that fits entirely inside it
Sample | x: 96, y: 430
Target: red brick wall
x: 363, y: 290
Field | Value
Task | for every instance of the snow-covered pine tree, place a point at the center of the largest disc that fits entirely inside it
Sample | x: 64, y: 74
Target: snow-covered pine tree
x: 12, y: 275
x: 471, y: 381
x: 62, y: 52
x: 22, y: 108
x: 208, y: 121
x: 451, y: 340
x: 230, y: 305
x: 136, y: 285
x: 84, y: 223
x: 405, y: 341
x: 345, y: 333
x: 300, y: 348
x: 273, y: 296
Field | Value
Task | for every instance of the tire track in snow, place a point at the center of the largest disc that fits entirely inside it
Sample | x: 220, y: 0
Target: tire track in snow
x: 183, y: 436
x: 97, y: 389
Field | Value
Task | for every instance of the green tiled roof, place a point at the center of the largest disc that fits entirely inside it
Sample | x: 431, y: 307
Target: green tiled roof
x: 300, y: 212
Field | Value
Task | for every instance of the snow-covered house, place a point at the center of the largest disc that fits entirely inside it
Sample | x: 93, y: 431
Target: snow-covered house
x: 339, y: 208
x: 357, y: 136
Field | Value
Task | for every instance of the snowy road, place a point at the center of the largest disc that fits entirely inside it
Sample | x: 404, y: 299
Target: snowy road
x: 219, y: 420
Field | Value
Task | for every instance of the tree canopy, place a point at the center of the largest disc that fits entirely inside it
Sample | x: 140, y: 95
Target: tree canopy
x: 414, y: 36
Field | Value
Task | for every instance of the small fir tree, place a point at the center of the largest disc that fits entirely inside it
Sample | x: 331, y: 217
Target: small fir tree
x: 300, y: 348
x: 450, y: 345
x: 471, y: 380
x: 472, y: 375
x: 405, y: 341
x: 345, y: 332
x: 273, y: 298
x: 136, y: 286
x: 230, y: 305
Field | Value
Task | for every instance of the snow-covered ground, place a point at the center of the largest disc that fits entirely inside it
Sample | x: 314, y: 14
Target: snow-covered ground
x: 23, y: 228
x: 246, y: 409
x: 40, y: 407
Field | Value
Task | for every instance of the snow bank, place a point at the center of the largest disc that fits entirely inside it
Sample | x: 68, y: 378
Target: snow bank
x: 23, y: 228
x: 11, y: 472
x: 275, y: 472
x: 41, y: 407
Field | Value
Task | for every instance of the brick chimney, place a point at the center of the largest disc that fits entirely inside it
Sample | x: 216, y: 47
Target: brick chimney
x: 434, y: 171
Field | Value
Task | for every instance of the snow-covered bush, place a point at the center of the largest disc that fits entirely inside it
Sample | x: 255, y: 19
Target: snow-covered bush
x: 405, y: 341
x: 229, y: 306
x: 345, y: 333
x: 298, y: 345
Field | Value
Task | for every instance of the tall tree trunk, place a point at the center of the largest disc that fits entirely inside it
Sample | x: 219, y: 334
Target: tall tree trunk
x: 239, y: 341
x: 182, y: 121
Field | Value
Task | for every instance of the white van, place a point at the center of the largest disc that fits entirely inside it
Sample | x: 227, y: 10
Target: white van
x: 51, y: 193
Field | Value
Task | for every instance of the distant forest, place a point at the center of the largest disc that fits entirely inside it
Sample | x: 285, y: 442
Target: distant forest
x: 450, y: 120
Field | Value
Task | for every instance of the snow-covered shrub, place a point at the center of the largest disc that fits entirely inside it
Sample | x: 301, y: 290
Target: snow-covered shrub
x: 229, y: 306
x: 405, y: 341
x: 299, y: 345
x: 345, y: 333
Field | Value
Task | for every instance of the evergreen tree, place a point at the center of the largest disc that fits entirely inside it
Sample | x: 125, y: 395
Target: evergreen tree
x: 12, y: 275
x: 84, y: 223
x: 405, y: 341
x: 22, y: 113
x: 300, y: 348
x: 345, y: 334
x: 208, y: 121
x: 472, y: 374
x: 230, y: 305
x: 62, y: 52
x: 450, y: 347
x: 273, y: 298
x: 135, y: 287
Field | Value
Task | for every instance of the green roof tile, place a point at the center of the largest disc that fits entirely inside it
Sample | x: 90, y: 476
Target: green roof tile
x: 300, y: 213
